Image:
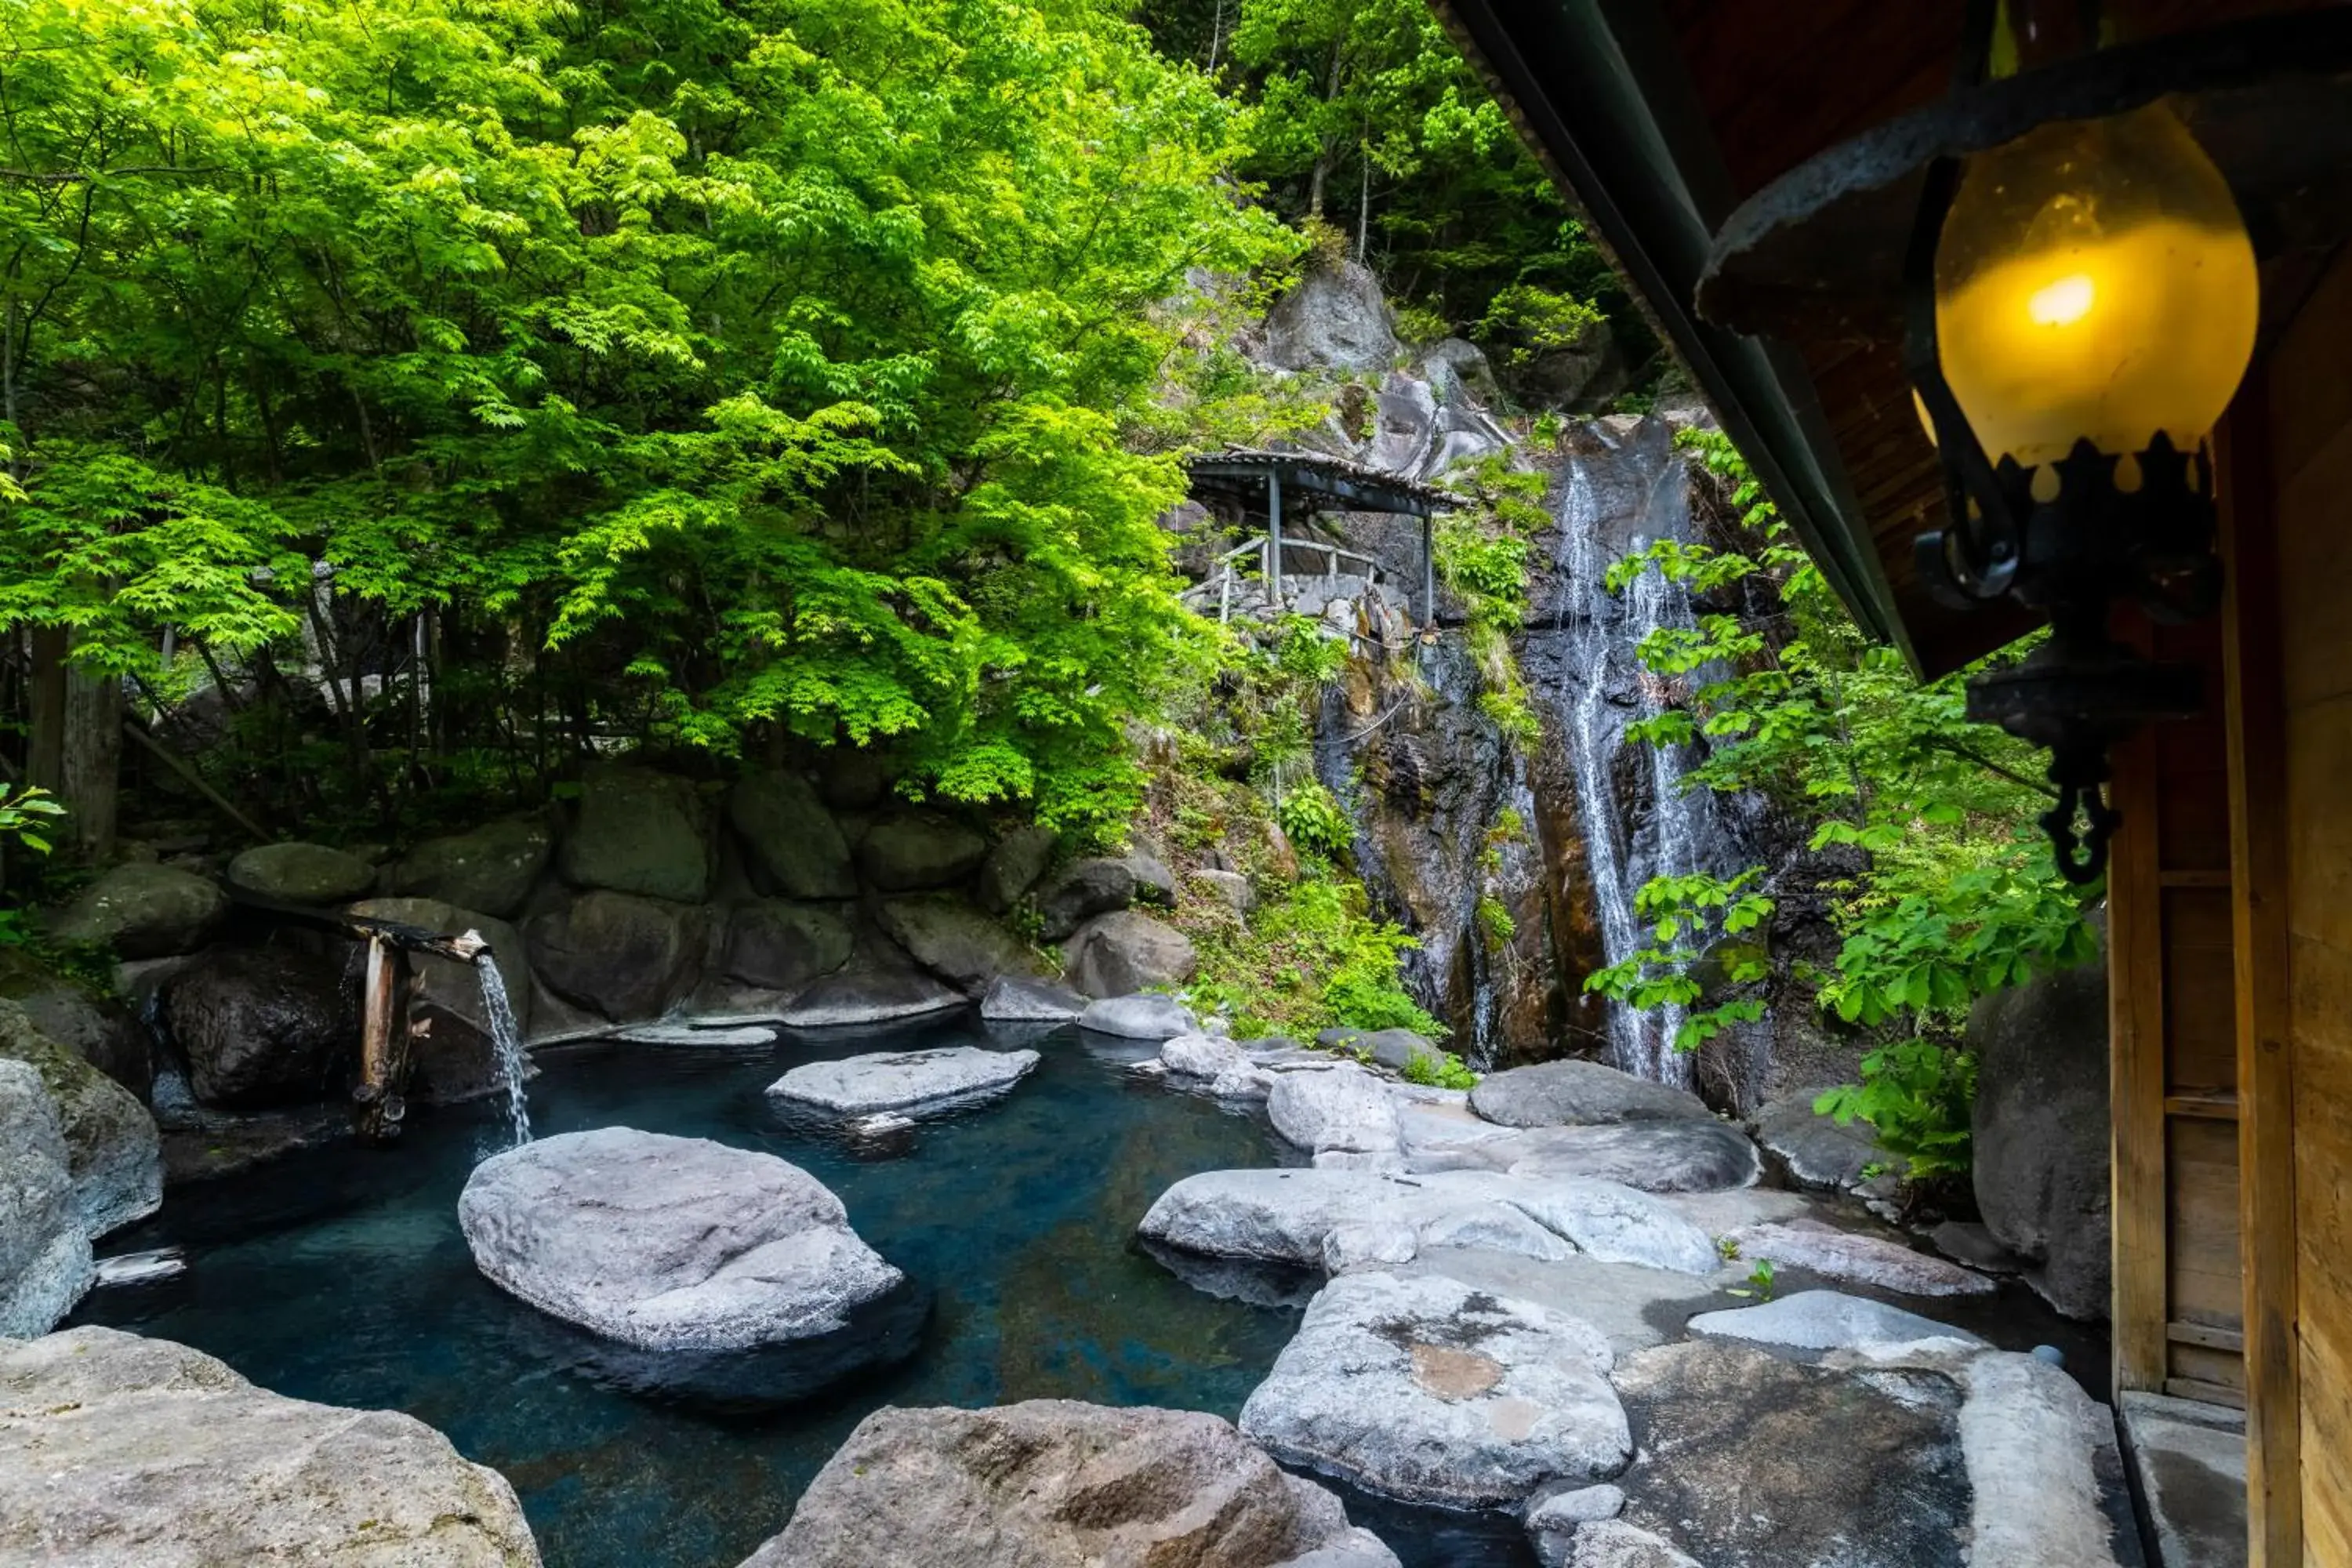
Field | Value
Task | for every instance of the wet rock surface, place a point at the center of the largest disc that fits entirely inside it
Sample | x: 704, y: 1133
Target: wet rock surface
x: 1059, y: 1484
x: 619, y: 955
x: 904, y: 1080
x: 265, y: 1026
x: 122, y: 1452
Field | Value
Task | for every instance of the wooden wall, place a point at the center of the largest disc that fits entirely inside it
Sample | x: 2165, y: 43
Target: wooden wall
x: 2309, y: 391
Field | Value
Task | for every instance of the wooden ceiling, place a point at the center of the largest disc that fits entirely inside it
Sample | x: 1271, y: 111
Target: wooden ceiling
x: 1775, y: 82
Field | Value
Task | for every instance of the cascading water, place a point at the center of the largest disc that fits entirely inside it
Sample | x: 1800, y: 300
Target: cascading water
x: 1673, y: 832
x: 508, y: 1038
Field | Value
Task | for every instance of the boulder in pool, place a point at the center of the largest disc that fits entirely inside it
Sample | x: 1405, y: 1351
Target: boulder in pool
x: 944, y: 1077
x: 1014, y: 999
x: 122, y: 1452
x: 669, y: 1244
x: 1430, y: 1391
x: 1579, y: 1094
x: 45, y: 1263
x: 111, y: 1147
x: 1126, y: 952
x: 1140, y: 1018
x: 1345, y: 1109
x: 1858, y: 1259
x: 1053, y: 1483
x: 1655, y: 1156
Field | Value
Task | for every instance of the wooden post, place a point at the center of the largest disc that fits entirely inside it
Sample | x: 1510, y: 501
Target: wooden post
x: 378, y: 1089
x: 2136, y: 1086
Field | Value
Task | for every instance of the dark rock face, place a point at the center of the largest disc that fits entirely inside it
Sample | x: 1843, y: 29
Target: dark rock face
x: 1012, y: 867
x: 917, y: 851
x: 1817, y: 1151
x: 491, y: 868
x: 1053, y: 1483
x: 640, y: 832
x: 2041, y: 1131
x: 301, y: 874
x: 143, y: 912
x: 99, y: 1030
x: 1579, y: 1094
x: 955, y: 941
x: 623, y: 956
x: 455, y: 1057
x: 1126, y: 952
x: 782, y: 947
x: 1749, y: 1461
x: 1336, y: 319
x: 265, y: 1026
x: 1081, y: 891
x: 794, y: 846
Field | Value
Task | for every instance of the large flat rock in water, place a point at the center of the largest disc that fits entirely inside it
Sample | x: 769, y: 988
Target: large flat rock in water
x: 122, y: 1452
x: 1053, y: 1483
x: 669, y: 1244
x: 1431, y: 1392
x: 1655, y: 1156
x: 1579, y: 1094
x: 904, y: 1080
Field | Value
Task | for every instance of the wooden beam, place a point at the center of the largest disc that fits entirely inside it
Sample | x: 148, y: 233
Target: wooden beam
x: 2254, y: 689
x: 2135, y: 1083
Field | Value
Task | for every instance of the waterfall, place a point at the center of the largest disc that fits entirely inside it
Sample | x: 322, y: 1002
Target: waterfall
x: 1637, y: 820
x: 513, y: 1063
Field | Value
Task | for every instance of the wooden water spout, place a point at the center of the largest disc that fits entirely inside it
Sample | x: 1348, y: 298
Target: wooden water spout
x: 387, y: 1036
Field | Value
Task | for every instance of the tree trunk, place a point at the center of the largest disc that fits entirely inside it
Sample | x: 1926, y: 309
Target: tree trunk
x: 45, y: 700
x: 75, y: 750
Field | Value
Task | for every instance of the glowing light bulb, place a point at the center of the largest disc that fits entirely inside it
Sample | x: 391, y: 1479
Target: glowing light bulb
x: 2064, y: 303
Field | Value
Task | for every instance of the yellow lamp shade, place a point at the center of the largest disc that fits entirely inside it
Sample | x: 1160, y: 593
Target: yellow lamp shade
x: 2095, y: 281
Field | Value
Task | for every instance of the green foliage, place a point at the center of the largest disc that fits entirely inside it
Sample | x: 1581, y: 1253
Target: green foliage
x: 1440, y: 1069
x: 1956, y: 894
x: 25, y: 816
x: 1314, y: 823
x: 1481, y: 548
x: 1918, y: 1096
x: 1494, y: 921
x: 1761, y: 1280
x: 1528, y: 321
x: 1311, y: 960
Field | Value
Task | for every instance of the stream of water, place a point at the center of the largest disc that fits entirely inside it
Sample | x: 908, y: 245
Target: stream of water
x: 514, y: 1068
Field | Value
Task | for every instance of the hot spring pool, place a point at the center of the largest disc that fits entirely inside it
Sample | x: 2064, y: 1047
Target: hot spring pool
x: 339, y: 1275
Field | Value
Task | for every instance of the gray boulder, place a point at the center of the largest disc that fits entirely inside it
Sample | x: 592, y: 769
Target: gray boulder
x: 955, y: 941
x: 1230, y: 889
x: 1426, y: 1390
x: 265, y: 1026
x: 638, y: 831
x: 301, y: 874
x: 668, y: 1243
x: 780, y: 946
x: 2042, y: 1133
x: 870, y: 990
x: 143, y: 912
x: 1552, y: 1520
x: 1579, y: 1094
x: 2045, y: 1475
x: 1016, y: 999
x: 1655, y: 1156
x: 948, y: 1075
x: 1610, y: 1543
x: 1053, y: 1483
x: 112, y: 1154
x: 1012, y: 867
x: 122, y: 1452
x: 1336, y: 318
x: 1823, y: 1321
x: 1136, y: 1017
x: 794, y: 846
x: 618, y: 954
x: 1126, y: 952
x: 45, y: 1262
x: 1747, y: 1458
x: 1815, y: 1150
x: 491, y: 868
x: 1858, y: 1259
x: 1634, y: 1308
x: 457, y: 1055
x: 97, y: 1028
x: 1081, y: 891
x: 1345, y: 1109
x: 915, y: 851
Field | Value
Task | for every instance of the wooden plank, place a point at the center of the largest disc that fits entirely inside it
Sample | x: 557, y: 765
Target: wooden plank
x: 2312, y: 571
x: 2175, y: 877
x: 2136, y: 1085
x: 2255, y: 721
x: 2205, y: 1280
x: 2216, y: 1106
x: 2201, y: 1032
x: 2206, y: 1393
x: 2206, y: 1335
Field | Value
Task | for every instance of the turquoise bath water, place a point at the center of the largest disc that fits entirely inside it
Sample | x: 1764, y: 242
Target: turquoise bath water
x: 340, y: 1276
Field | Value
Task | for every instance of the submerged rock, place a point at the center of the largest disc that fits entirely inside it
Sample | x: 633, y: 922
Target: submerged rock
x: 1126, y: 952
x: 670, y: 1243
x: 795, y: 848
x: 301, y: 874
x: 143, y: 912
x: 265, y: 1026
x: 491, y: 868
x: 1136, y: 1017
x: 1579, y: 1094
x: 904, y: 1080
x: 1017, y: 999
x: 1861, y: 1259
x: 112, y: 1154
x: 638, y: 831
x: 1826, y: 1320
x: 122, y: 1452
x: 45, y: 1262
x: 1053, y: 1483
x: 1426, y: 1390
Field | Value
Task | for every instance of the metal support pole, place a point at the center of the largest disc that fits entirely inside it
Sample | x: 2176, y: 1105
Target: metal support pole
x: 1428, y: 578
x: 1274, y: 536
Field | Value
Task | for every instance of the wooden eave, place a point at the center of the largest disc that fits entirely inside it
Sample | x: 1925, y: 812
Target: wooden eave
x: 1659, y: 118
